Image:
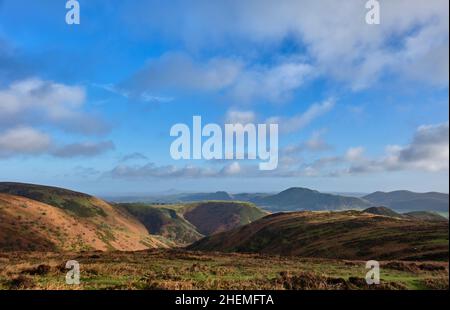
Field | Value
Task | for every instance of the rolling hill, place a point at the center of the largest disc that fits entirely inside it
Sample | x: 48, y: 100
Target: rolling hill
x: 186, y: 223
x: 406, y: 201
x: 35, y: 217
x: 382, y: 211
x: 298, y: 198
x: 342, y: 235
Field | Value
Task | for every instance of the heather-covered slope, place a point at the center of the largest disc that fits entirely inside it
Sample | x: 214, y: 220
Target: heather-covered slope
x: 339, y: 235
x: 37, y: 217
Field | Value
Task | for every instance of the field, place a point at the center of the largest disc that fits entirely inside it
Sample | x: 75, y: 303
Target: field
x: 180, y: 269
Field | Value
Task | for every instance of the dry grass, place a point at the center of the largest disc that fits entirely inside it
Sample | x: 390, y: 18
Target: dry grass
x: 177, y: 269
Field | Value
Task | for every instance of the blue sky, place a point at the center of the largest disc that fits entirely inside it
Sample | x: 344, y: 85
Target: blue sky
x: 360, y: 107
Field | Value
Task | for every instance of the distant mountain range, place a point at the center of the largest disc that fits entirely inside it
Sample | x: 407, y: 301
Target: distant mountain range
x: 404, y: 201
x: 298, y: 198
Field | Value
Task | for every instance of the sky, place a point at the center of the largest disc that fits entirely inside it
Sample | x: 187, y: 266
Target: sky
x: 360, y: 107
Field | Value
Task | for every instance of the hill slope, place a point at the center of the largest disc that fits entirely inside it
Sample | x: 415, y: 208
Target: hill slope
x: 216, y: 216
x: 337, y: 235
x: 165, y: 222
x: 186, y: 223
x: 404, y: 201
x: 48, y: 218
x: 297, y: 198
x: 382, y: 211
x: 426, y: 216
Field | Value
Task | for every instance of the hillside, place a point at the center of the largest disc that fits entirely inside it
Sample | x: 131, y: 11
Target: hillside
x: 186, y: 223
x: 165, y: 222
x: 338, y: 235
x: 405, y: 201
x: 297, y: 198
x: 37, y: 217
x: 217, y: 216
x: 382, y: 211
x: 426, y: 216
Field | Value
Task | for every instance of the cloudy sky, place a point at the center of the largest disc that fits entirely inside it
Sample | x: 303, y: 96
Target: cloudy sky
x: 360, y: 107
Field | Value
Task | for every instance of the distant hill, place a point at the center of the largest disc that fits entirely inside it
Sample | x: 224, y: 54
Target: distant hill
x: 416, y: 215
x: 34, y: 217
x: 298, y: 198
x: 382, y: 211
x: 221, y: 195
x: 426, y: 216
x: 343, y: 235
x: 405, y: 201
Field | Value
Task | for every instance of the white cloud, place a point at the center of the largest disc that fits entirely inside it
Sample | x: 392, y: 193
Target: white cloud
x: 179, y: 71
x: 37, y: 102
x: 243, y: 83
x: 23, y: 140
x: 133, y: 157
x: 56, y: 101
x: 31, y: 110
x: 299, y: 121
x: 411, y: 41
x: 83, y: 149
x: 272, y: 84
x: 231, y: 169
x: 354, y: 153
x: 428, y: 151
x: 240, y: 117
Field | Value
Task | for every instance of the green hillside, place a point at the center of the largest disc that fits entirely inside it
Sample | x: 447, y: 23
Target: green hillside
x: 186, y: 223
x: 344, y: 235
x: 165, y: 222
